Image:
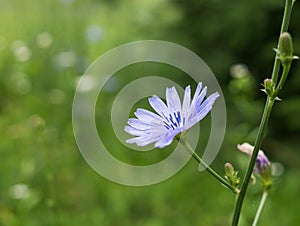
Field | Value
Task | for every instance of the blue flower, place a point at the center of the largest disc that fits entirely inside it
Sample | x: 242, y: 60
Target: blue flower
x: 171, y: 119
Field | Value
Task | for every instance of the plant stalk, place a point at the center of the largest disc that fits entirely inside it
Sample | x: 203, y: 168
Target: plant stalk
x: 186, y: 145
x: 261, y: 206
x: 262, y: 127
x: 265, y: 118
x: 284, y: 27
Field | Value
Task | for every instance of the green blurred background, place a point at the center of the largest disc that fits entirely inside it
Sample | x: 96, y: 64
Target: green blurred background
x: 45, y: 46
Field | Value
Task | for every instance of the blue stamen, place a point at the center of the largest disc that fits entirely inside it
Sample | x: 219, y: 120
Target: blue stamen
x: 172, y: 121
x: 177, y: 117
x: 167, y: 126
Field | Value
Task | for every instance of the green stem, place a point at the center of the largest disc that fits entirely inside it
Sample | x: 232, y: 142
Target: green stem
x: 286, y: 69
x: 261, y: 130
x: 261, y: 205
x: 264, y: 121
x: 186, y: 145
x: 284, y: 27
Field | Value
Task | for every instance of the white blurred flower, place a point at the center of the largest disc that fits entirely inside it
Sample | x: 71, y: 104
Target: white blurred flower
x: 277, y: 169
x: 21, y: 51
x: 44, y: 40
x: 19, y: 191
x: 94, y: 33
x: 239, y: 71
x: 66, y: 59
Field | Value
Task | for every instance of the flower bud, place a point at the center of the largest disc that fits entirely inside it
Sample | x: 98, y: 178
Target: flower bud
x: 232, y: 176
x: 285, y: 49
x: 285, y: 45
x: 263, y: 167
x: 229, y: 170
x: 269, y: 87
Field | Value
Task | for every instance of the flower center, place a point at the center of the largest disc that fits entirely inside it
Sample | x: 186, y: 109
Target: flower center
x: 173, y: 121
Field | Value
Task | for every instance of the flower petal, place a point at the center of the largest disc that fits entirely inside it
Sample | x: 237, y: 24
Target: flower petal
x: 201, y: 111
x: 173, y: 100
x: 148, y: 138
x: 166, y: 139
x: 246, y: 148
x: 159, y: 106
x: 147, y: 141
x: 138, y: 124
x: 136, y: 132
x: 146, y: 115
x: 196, y: 99
x: 134, y: 140
x: 197, y: 92
x: 206, y: 106
x: 186, y: 102
x: 201, y: 96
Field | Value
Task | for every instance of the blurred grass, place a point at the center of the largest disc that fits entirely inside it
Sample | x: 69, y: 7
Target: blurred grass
x: 44, y: 48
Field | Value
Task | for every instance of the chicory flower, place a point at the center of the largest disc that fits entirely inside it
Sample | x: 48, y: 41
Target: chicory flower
x: 171, y: 118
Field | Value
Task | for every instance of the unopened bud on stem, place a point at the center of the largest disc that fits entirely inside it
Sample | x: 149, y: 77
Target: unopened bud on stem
x: 232, y: 176
x: 285, y: 45
x: 229, y: 170
x: 285, y: 49
x: 269, y: 87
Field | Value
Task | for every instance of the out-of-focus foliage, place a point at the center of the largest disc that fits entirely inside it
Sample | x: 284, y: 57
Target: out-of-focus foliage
x: 45, y: 46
